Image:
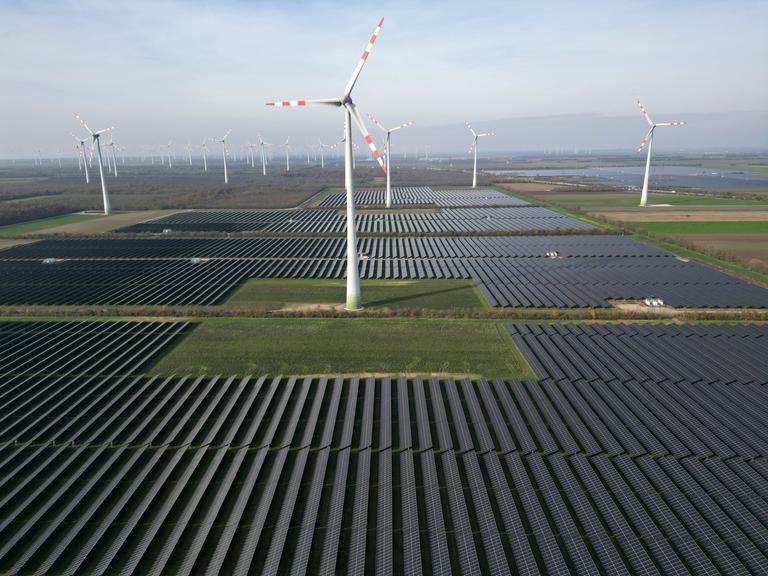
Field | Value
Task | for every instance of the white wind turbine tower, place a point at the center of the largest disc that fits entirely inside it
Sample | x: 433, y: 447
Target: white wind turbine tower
x: 323, y: 146
x: 97, y: 145
x: 189, y: 153
x: 110, y: 146
x: 388, y: 153
x: 262, y: 146
x: 205, y: 158
x: 648, y: 140
x: 168, y: 148
x: 287, y: 148
x: 473, y: 148
x: 350, y: 114
x: 223, y: 141
x: 82, y: 142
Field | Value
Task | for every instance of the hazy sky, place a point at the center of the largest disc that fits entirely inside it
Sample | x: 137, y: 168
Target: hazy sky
x: 185, y: 70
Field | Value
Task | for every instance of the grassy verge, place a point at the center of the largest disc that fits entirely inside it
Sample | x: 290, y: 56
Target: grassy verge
x: 45, y: 223
x: 297, y: 294
x: 347, y: 346
x: 705, y: 227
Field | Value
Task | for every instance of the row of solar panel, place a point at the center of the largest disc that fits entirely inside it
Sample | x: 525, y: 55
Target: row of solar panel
x: 537, y: 282
x: 571, y: 352
x: 399, y: 247
x: 217, y: 510
x: 31, y: 350
x: 318, y: 221
x: 570, y: 417
x: 424, y: 196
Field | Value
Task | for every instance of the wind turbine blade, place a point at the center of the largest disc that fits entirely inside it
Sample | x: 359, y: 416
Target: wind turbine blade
x: 363, y: 58
x: 106, y: 130
x: 372, y: 119
x: 487, y: 134
x: 287, y: 103
x: 645, y: 140
x: 227, y: 134
x: 368, y: 140
x: 677, y: 123
x: 84, y: 124
x: 642, y: 109
x: 470, y: 128
x: 396, y: 128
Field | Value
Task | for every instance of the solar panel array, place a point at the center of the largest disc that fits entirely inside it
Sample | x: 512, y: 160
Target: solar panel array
x: 661, y: 353
x: 510, y: 271
x: 308, y: 247
x: 64, y: 348
x: 381, y: 476
x: 424, y: 196
x: 322, y: 221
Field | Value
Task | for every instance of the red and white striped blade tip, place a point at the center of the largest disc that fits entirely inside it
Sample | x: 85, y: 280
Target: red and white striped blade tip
x: 286, y: 103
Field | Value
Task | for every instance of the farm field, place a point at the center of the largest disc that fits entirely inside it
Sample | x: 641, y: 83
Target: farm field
x: 299, y: 294
x: 46, y: 224
x: 716, y: 227
x: 347, y: 346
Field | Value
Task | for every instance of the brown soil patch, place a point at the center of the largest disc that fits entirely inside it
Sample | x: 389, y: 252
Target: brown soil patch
x: 752, y: 249
x: 634, y: 306
x: 313, y: 308
x: 663, y: 214
x: 9, y: 242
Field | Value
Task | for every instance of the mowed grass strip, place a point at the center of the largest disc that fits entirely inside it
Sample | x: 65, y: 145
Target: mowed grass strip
x: 45, y: 223
x: 706, y: 227
x: 347, y: 346
x: 461, y: 295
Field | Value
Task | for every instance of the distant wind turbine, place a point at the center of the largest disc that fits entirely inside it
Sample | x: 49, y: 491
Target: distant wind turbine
x: 262, y: 146
x: 473, y: 148
x: 96, y: 144
x: 648, y: 140
x: 223, y: 141
x: 205, y: 159
x: 350, y: 114
x: 287, y: 148
x: 82, y: 142
x: 388, y: 153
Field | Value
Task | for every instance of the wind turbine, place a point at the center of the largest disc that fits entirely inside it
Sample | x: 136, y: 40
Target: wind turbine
x: 262, y: 146
x: 223, y: 141
x: 82, y: 142
x: 205, y: 159
x: 287, y: 148
x: 648, y: 140
x: 473, y: 148
x: 168, y: 147
x: 388, y: 153
x: 350, y: 114
x: 97, y: 145
x: 189, y: 153
x: 322, y: 156
x: 110, y: 146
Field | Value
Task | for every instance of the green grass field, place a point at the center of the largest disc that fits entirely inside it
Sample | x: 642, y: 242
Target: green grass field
x: 706, y: 227
x: 347, y: 346
x: 45, y: 223
x: 395, y: 294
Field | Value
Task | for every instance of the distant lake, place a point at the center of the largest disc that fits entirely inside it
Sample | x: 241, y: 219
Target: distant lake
x: 661, y: 176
